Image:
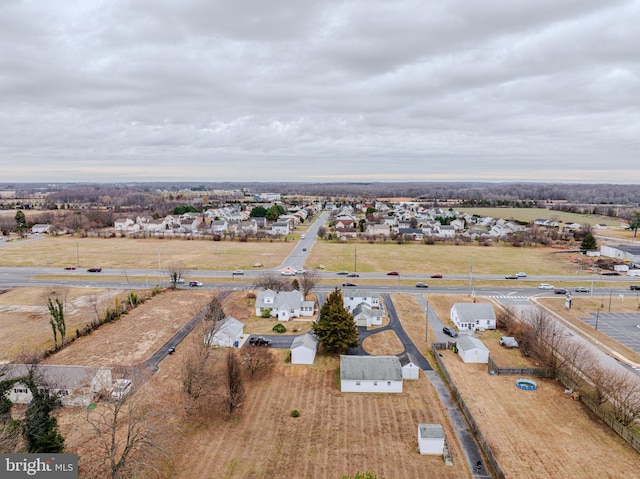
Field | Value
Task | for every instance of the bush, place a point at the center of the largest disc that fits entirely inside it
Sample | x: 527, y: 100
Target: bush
x: 295, y: 413
x: 265, y: 313
x: 279, y: 328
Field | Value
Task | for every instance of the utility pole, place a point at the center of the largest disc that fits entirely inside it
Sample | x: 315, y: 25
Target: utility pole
x: 78, y: 254
x: 355, y: 255
x: 426, y: 330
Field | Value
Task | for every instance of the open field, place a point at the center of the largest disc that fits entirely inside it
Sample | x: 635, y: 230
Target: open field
x: 532, y: 214
x: 541, y: 433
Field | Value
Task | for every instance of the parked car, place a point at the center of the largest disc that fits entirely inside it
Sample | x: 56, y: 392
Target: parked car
x: 259, y: 341
x: 560, y: 291
x: 348, y: 284
x: 342, y: 272
x: 171, y: 350
x: 634, y: 287
x: 304, y: 249
x: 353, y: 275
x: 582, y: 289
x: 511, y: 276
x: 436, y: 275
x: 421, y: 285
x: 450, y: 332
x: 521, y: 274
x: 69, y: 268
x: 237, y: 272
x: 94, y: 270
x: 545, y: 286
x: 121, y: 387
x: 195, y: 284
x: 392, y: 273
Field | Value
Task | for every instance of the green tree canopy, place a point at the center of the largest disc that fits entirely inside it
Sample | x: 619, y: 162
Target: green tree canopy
x: 336, y: 330
x: 39, y: 427
x: 180, y: 210
x: 21, y: 221
x: 258, y: 212
x: 588, y: 243
x: 274, y: 212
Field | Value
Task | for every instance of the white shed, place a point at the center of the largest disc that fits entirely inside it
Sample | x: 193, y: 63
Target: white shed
x: 370, y: 374
x: 472, y: 350
x: 303, y: 349
x: 431, y: 438
x: 409, y: 364
x: 226, y: 333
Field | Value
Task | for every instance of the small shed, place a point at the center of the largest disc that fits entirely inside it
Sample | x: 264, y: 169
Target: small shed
x: 227, y: 333
x: 409, y: 364
x: 304, y: 349
x: 431, y: 439
x: 472, y: 350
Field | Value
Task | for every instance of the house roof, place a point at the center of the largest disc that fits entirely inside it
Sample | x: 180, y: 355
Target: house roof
x: 229, y: 326
x: 471, y: 312
x: 307, y: 340
x: 71, y: 377
x: 292, y: 299
x: 431, y: 431
x: 406, y: 358
x: 371, y: 368
x: 467, y: 343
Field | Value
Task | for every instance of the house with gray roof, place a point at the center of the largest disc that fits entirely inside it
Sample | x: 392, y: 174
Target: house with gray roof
x: 285, y: 305
x: 366, y: 316
x: 371, y: 374
x: 227, y: 332
x: 409, y: 364
x: 473, y: 316
x: 353, y: 298
x: 304, y: 349
x: 472, y: 350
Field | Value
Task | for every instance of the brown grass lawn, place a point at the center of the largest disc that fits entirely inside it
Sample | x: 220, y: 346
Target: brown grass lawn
x: 531, y: 214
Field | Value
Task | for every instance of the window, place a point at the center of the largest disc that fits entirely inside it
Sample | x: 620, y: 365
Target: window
x: 388, y: 383
x: 357, y: 383
x: 375, y: 383
x: 20, y: 390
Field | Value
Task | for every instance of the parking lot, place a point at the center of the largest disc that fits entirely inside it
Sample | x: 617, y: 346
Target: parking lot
x: 623, y: 327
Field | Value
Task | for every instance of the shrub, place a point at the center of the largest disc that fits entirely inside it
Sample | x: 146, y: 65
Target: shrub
x: 265, y: 313
x: 279, y: 328
x: 295, y: 413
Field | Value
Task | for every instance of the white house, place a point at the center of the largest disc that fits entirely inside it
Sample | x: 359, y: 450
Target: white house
x: 74, y: 385
x: 363, y: 315
x: 304, y: 349
x: 370, y: 374
x: 409, y: 364
x: 473, y: 316
x: 41, y: 228
x: 227, y: 332
x: 472, y: 350
x: 284, y: 305
x: 431, y: 439
x: 351, y: 299
x: 280, y: 228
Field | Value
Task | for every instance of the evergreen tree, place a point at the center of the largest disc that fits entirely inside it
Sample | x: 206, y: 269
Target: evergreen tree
x: 258, y: 212
x: 588, y: 243
x: 21, y: 222
x: 336, y: 330
x: 39, y: 427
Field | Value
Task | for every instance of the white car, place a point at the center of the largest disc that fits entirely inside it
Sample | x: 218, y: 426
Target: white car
x: 288, y: 273
x: 521, y: 274
x: 237, y: 272
x: 546, y: 286
x: 121, y: 387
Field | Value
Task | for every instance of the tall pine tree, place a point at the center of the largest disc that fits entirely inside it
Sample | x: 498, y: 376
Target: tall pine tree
x: 335, y: 329
x: 39, y: 427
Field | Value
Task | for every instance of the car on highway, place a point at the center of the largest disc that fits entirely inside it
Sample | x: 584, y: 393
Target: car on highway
x: 94, y: 270
x: 353, y: 275
x: 288, y: 272
x: 511, y: 276
x: 521, y: 274
x: 349, y: 284
x: 259, y: 341
x: 436, y: 275
x: 195, y: 284
x: 392, y: 273
x: 69, y: 268
x: 634, y: 287
x: 343, y: 272
x: 302, y: 236
x: 560, y: 291
x: 237, y: 272
x: 450, y: 332
x: 420, y: 284
x: 545, y: 286
x: 582, y: 289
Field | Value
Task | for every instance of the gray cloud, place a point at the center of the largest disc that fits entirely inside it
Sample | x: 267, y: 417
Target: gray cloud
x: 305, y: 90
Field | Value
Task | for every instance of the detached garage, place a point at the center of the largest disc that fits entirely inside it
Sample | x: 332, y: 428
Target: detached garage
x: 303, y: 349
x: 472, y: 350
x: 410, y: 368
x: 431, y: 439
x: 226, y: 333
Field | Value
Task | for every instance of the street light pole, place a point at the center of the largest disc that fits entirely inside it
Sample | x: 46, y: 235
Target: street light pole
x: 426, y: 329
x: 597, y: 316
x: 592, y: 281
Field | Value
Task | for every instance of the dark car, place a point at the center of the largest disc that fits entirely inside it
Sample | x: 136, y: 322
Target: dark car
x: 450, y: 332
x: 348, y: 284
x: 560, y: 291
x: 353, y: 275
x: 436, y: 275
x: 195, y: 284
x: 94, y: 270
x: 344, y: 272
x: 171, y: 350
x: 69, y: 268
x: 634, y: 287
x: 304, y: 249
x: 392, y: 273
x: 610, y: 273
x: 582, y: 289
x: 511, y: 276
x: 259, y: 341
x: 421, y: 285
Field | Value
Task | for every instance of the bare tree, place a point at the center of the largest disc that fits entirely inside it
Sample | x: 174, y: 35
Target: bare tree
x: 128, y: 432
x: 308, y: 280
x: 177, y: 273
x: 235, y: 393
x: 199, y: 371
x: 624, y: 396
x: 257, y: 358
x: 269, y: 281
x: 214, y: 311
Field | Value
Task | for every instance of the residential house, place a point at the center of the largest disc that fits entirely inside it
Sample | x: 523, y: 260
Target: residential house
x: 41, y: 228
x: 227, y: 332
x: 280, y: 228
x: 370, y: 374
x: 473, y: 316
x: 363, y: 315
x: 219, y: 227
x: 353, y: 298
x: 377, y: 230
x: 285, y: 305
x: 126, y: 225
x: 304, y: 349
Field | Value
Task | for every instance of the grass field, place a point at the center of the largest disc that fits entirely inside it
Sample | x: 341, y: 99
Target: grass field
x: 531, y: 214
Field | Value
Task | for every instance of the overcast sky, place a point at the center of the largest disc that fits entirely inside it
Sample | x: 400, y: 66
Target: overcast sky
x: 320, y: 90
